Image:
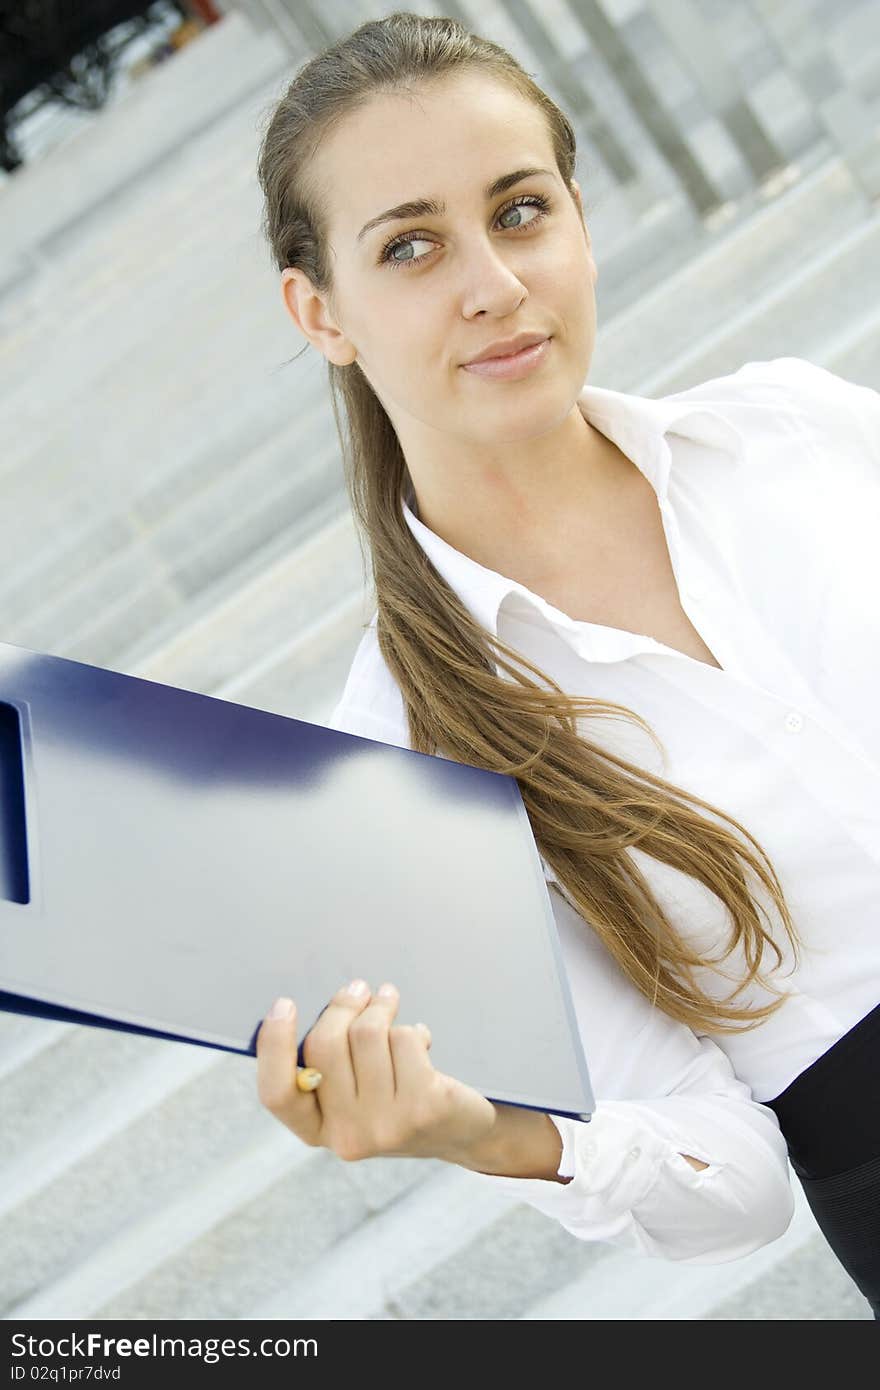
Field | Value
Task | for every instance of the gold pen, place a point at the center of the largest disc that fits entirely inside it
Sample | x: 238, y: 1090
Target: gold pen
x: 307, y: 1078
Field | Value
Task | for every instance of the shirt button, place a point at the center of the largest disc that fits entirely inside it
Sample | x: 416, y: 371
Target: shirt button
x: 794, y: 722
x: 634, y: 1153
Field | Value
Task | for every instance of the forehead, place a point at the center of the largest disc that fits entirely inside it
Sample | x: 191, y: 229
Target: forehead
x: 444, y: 138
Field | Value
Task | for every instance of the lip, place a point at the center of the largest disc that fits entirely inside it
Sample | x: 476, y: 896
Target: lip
x: 507, y: 347
x: 512, y: 366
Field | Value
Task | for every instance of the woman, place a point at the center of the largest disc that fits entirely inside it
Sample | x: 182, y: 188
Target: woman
x: 569, y: 582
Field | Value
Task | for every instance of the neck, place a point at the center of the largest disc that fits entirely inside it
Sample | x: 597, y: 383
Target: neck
x: 528, y: 524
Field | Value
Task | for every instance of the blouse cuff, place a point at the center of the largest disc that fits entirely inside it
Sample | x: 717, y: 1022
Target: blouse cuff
x: 614, y: 1160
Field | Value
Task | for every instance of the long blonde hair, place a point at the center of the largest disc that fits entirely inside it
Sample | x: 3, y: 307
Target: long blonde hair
x: 586, y: 805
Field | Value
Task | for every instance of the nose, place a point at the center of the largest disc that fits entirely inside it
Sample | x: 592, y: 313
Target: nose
x: 490, y: 282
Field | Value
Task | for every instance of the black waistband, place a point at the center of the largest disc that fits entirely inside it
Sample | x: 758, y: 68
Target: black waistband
x: 830, y: 1114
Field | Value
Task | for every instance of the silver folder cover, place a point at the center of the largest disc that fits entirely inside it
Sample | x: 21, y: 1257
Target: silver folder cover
x: 171, y: 862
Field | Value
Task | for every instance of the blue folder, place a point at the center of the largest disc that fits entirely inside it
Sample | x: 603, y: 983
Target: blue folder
x: 171, y: 862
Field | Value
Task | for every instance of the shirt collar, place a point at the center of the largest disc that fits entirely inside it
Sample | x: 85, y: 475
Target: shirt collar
x: 638, y: 425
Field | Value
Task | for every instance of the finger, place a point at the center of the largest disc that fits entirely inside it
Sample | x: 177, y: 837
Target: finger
x: 370, y: 1054
x: 276, y: 1065
x: 409, y: 1050
x: 326, y: 1047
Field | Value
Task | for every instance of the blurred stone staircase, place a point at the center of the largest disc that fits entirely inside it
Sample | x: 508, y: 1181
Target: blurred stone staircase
x: 172, y: 506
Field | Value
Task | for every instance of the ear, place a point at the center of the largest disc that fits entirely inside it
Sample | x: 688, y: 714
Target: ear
x: 310, y: 313
x: 578, y: 197
x: 576, y: 189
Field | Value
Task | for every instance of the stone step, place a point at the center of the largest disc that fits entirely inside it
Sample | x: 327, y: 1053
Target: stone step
x: 763, y: 1279
x: 125, y: 591
x: 149, y: 123
x: 144, y: 1141
x: 821, y: 300
x: 329, y: 1228
x: 367, y: 1275
x: 253, y: 616
x: 22, y: 1038
x: 736, y: 271
x: 157, y: 422
x: 154, y: 1252
x: 402, y: 1257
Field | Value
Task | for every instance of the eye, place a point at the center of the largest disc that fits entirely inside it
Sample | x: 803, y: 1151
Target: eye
x: 538, y: 202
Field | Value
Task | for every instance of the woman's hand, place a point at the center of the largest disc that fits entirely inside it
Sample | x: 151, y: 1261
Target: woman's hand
x: 379, y: 1093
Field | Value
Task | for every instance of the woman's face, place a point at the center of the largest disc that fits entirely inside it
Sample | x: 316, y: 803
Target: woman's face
x: 457, y: 279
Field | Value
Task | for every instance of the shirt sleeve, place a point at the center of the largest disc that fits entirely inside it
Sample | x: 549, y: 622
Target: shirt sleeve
x: 661, y: 1092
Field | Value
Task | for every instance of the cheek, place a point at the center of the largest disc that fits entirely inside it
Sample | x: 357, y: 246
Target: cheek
x: 568, y: 274
x: 412, y: 361
x: 402, y: 322
x: 420, y: 337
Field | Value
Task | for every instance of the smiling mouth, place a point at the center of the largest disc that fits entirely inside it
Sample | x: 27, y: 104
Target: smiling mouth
x: 512, y: 365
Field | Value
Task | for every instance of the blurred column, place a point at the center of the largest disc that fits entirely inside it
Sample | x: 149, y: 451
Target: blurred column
x: 653, y: 116
x: 844, y: 116
x: 686, y: 27
x: 299, y: 25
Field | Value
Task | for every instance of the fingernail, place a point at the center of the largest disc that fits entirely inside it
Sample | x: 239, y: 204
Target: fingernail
x: 386, y: 990
x: 357, y: 987
x: 282, y: 1008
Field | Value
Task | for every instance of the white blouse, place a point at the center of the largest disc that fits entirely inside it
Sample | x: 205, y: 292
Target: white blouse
x: 768, y: 483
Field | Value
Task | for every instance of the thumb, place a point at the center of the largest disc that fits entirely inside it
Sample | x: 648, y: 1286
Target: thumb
x: 276, y: 1054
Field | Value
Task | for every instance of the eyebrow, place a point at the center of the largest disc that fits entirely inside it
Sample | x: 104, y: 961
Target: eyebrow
x: 430, y: 207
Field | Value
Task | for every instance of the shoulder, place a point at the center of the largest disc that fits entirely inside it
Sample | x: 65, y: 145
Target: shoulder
x: 371, y: 704
x: 797, y: 396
